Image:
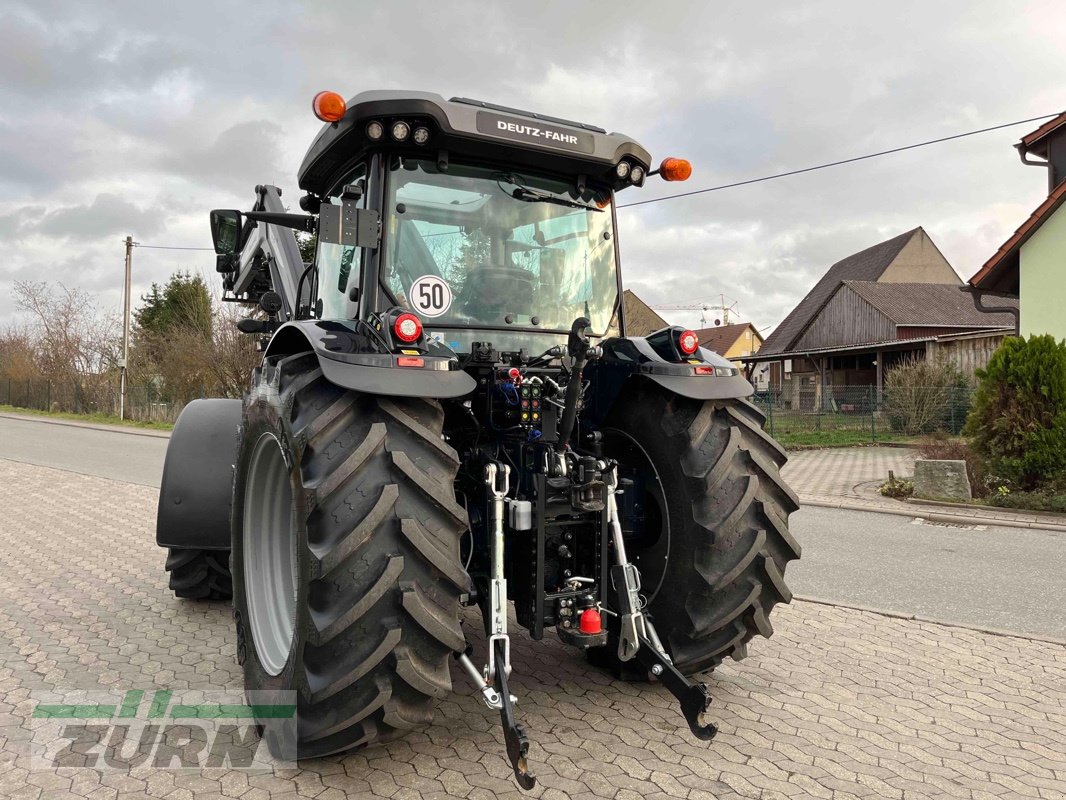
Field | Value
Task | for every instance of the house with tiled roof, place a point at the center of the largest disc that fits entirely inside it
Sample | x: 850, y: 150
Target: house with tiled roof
x: 641, y: 318
x: 733, y: 340
x: 1030, y: 264
x: 736, y: 341
x: 896, y: 301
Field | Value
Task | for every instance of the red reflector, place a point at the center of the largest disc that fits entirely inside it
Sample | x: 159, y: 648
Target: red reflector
x: 704, y: 370
x: 688, y: 341
x: 591, y: 622
x: 410, y: 362
x: 408, y: 328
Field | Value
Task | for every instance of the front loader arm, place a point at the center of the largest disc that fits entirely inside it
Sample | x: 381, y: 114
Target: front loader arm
x: 276, y: 245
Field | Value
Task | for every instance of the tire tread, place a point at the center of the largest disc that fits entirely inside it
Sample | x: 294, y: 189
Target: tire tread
x: 383, y: 575
x: 732, y: 507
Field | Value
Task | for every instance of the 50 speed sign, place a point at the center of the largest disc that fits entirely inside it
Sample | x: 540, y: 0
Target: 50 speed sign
x: 431, y: 296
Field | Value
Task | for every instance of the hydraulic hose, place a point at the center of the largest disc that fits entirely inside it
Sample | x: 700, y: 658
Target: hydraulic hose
x: 578, y: 347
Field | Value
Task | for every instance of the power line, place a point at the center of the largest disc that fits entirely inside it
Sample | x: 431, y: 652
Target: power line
x: 765, y: 177
x: 837, y: 163
x: 165, y: 247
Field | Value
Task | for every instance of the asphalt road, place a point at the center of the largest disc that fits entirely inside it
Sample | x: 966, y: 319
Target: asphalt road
x: 131, y: 457
x: 1004, y: 578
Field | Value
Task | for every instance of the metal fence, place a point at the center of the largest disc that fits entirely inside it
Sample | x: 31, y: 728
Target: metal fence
x: 143, y: 403
x: 800, y: 414
x: 817, y: 414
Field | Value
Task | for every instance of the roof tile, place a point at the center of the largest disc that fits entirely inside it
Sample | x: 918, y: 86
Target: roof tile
x: 866, y: 265
x: 929, y: 304
x: 1000, y: 272
x: 640, y: 318
x: 721, y: 337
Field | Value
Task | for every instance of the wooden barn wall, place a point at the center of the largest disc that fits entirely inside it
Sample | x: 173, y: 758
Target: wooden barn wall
x: 845, y: 320
x: 916, y: 331
x: 967, y: 354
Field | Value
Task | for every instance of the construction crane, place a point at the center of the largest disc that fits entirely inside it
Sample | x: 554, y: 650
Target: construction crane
x: 703, y: 306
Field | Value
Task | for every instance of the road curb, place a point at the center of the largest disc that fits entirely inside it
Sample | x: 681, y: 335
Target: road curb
x: 806, y: 448
x: 958, y: 519
x: 93, y: 426
x: 921, y: 501
x: 1032, y: 637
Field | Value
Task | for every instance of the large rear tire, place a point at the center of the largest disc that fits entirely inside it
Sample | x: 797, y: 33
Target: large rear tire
x: 709, y: 530
x: 345, y: 555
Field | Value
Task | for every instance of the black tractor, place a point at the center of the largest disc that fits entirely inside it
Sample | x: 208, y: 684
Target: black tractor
x: 449, y: 412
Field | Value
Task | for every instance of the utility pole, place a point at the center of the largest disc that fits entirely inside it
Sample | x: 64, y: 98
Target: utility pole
x: 125, y: 329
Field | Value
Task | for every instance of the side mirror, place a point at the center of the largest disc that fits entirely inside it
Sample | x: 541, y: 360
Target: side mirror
x: 226, y: 231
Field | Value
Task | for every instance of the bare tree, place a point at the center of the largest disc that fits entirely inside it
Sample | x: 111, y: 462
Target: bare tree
x: 17, y: 356
x: 66, y: 354
x: 234, y: 353
x: 74, y: 345
x: 71, y: 337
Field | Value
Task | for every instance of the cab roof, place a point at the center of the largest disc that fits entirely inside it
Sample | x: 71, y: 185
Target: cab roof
x: 467, y: 130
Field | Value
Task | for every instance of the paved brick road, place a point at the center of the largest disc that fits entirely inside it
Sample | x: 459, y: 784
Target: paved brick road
x: 848, y: 477
x: 837, y: 704
x: 840, y: 471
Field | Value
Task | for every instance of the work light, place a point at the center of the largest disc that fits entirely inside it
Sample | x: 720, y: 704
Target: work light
x: 400, y: 131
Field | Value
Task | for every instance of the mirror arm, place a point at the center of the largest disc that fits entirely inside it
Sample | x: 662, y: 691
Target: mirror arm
x: 299, y: 221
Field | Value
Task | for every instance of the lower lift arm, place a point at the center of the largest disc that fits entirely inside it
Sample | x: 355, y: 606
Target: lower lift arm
x: 637, y: 638
x: 493, y: 682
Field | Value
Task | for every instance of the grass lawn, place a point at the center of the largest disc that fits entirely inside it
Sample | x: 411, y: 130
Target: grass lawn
x: 100, y: 419
x: 794, y: 429
x: 802, y: 439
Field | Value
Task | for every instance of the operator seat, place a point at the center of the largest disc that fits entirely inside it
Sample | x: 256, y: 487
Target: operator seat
x: 491, y: 291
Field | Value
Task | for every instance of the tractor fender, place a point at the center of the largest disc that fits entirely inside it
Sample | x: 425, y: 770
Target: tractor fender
x: 195, y: 495
x: 627, y: 361
x: 352, y: 356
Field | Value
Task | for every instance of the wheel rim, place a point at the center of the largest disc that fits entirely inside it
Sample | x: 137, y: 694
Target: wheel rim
x: 269, y: 539
x: 651, y: 552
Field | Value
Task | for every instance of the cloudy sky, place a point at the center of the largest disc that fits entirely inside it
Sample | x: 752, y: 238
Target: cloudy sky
x: 137, y: 118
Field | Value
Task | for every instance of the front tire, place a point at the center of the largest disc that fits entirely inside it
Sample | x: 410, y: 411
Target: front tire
x: 715, y: 541
x: 345, y: 555
x: 199, y: 574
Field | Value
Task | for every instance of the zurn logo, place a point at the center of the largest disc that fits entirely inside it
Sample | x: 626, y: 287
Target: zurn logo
x: 163, y: 729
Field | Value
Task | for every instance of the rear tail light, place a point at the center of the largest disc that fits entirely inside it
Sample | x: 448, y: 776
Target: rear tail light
x: 408, y: 328
x: 689, y: 342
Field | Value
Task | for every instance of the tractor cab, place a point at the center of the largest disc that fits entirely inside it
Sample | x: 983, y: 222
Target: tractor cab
x: 495, y: 223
